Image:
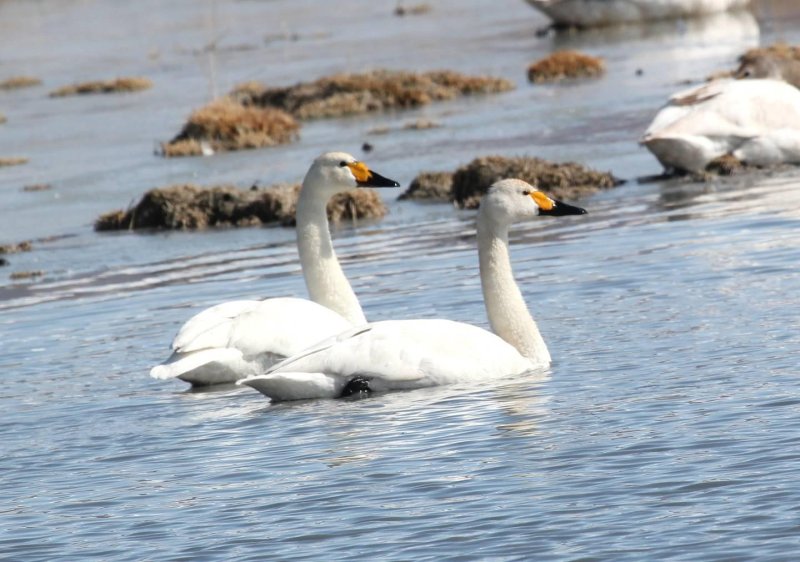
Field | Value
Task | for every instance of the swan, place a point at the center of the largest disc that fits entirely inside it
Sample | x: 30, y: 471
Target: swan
x: 404, y: 354
x: 756, y: 121
x: 236, y: 339
x: 589, y: 13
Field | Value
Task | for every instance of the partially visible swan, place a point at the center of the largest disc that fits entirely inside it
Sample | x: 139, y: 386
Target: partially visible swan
x: 756, y: 121
x: 589, y: 13
x: 239, y: 338
x: 402, y: 354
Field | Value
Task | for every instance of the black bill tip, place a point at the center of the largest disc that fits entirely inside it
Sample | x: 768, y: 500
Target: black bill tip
x: 377, y: 180
x: 561, y: 209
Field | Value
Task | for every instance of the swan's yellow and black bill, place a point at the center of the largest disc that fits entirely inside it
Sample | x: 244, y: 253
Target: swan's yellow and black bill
x: 367, y: 178
x: 554, y: 207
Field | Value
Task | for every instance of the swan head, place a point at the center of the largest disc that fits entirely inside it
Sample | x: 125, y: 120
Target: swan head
x: 509, y: 201
x: 333, y: 172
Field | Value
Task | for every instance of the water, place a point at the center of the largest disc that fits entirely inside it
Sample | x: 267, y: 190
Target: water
x: 667, y: 427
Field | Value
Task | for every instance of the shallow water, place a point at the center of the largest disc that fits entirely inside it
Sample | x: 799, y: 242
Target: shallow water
x: 667, y: 427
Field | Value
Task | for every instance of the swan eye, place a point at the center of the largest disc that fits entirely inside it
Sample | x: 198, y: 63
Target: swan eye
x: 342, y: 164
x: 526, y: 192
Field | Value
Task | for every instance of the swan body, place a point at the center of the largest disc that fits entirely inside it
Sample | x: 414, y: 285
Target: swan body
x: 756, y: 121
x: 590, y: 13
x: 405, y: 354
x: 239, y: 338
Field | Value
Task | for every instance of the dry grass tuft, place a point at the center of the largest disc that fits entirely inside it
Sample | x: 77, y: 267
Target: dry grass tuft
x: 189, y: 207
x: 104, y: 87
x: 25, y: 246
x: 430, y: 186
x: 23, y: 275
x: 18, y: 82
x: 565, y: 65
x: 561, y: 180
x: 13, y: 161
x: 413, y: 10
x: 350, y: 94
x: 225, y: 124
x: 37, y: 187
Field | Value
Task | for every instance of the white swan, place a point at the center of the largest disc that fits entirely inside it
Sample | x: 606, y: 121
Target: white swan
x: 236, y: 339
x: 589, y: 13
x: 402, y: 354
x: 756, y: 121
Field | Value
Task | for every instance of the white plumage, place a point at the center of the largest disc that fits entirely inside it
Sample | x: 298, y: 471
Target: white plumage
x: 239, y: 338
x: 404, y: 354
x: 757, y: 121
x: 589, y: 13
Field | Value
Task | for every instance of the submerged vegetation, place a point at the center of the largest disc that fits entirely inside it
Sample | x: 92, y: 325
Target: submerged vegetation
x: 565, y: 65
x: 189, y: 207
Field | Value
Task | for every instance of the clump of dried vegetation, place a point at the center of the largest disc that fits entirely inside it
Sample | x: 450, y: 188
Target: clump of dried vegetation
x: 188, y: 207
x: 468, y: 183
x: 430, y: 186
x: 18, y: 82
x: 134, y: 84
x: 565, y: 65
x: 227, y: 125
x: 13, y: 161
x: 350, y: 94
x: 25, y: 246
x: 25, y: 275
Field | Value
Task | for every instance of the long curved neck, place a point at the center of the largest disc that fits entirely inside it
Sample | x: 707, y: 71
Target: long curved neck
x: 505, y: 307
x: 325, y: 280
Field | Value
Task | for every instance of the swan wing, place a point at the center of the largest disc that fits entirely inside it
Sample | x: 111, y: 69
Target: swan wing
x: 395, y: 354
x: 210, y: 327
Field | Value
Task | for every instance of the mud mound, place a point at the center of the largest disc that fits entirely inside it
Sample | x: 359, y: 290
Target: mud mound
x: 189, y: 207
x: 350, y: 94
x: 563, y: 181
x: 227, y: 125
x: 103, y: 87
x: 430, y: 186
x: 17, y: 82
x: 565, y: 65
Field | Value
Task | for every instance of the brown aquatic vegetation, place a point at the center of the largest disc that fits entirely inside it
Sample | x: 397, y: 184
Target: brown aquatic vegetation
x: 413, y: 10
x: 225, y: 124
x: 188, y: 207
x: 37, y: 187
x: 25, y: 246
x: 430, y: 186
x: 350, y: 94
x: 17, y: 82
x: 2, y: 118
x: 565, y: 65
x: 13, y: 161
x: 421, y: 124
x: 561, y: 180
x: 104, y: 87
x: 725, y: 165
x: 21, y: 275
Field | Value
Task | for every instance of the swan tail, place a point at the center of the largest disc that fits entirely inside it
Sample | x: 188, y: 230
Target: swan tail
x: 296, y: 386
x: 203, y: 367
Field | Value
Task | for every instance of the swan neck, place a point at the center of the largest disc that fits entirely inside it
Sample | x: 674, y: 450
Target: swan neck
x: 508, y: 314
x: 325, y: 280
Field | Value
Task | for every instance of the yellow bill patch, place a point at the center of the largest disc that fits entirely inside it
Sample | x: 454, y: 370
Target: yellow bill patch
x: 544, y: 202
x: 360, y: 171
